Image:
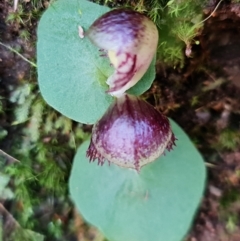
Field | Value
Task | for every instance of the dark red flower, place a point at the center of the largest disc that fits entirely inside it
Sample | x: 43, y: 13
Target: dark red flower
x: 131, y: 134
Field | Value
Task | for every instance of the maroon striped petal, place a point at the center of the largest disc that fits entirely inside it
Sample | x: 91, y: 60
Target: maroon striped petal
x: 131, y: 41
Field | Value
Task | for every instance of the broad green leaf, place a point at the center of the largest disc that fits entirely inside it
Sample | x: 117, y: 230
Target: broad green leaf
x: 71, y: 73
x: 157, y: 204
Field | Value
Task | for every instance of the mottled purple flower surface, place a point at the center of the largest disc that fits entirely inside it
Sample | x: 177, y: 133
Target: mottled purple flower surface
x: 130, y: 38
x: 131, y: 134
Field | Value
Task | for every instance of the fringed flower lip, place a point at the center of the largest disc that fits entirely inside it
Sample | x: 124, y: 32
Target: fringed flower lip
x: 130, y: 38
x: 131, y: 134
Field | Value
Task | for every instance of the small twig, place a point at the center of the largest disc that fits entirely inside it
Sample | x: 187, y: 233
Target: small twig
x: 4, y: 211
x: 210, y: 165
x: 215, y: 9
x: 15, y: 5
x: 20, y: 55
x: 8, y: 157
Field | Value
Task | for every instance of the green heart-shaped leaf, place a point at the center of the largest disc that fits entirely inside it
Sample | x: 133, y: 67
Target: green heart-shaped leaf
x: 71, y: 73
x: 157, y: 204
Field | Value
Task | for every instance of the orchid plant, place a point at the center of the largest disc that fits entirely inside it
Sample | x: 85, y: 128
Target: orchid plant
x: 93, y: 65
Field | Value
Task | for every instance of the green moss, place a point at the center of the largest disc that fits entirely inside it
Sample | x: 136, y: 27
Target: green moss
x: 228, y: 140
